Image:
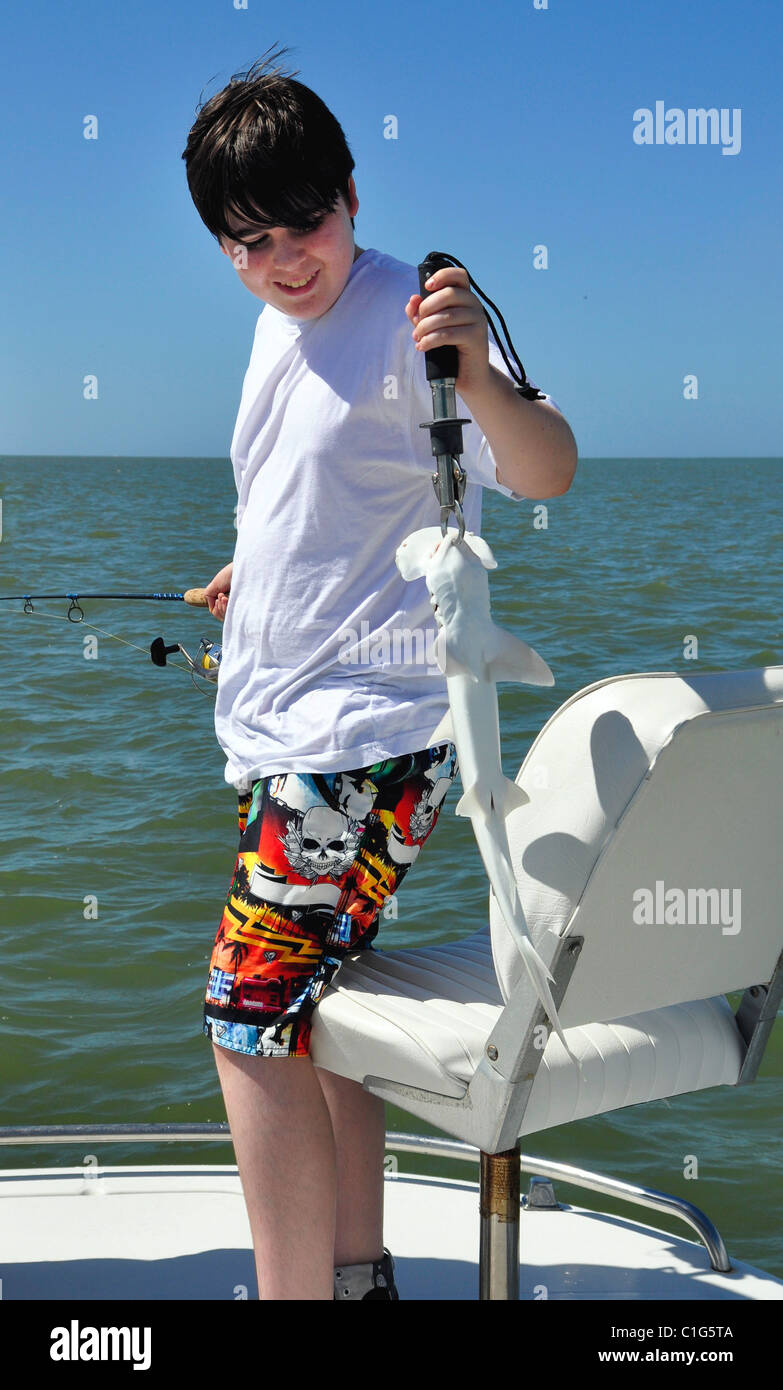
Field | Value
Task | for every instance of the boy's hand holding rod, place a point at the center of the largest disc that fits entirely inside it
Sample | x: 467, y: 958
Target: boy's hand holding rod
x: 217, y: 592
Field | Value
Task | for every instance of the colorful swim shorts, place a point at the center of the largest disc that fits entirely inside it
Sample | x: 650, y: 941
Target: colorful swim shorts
x: 319, y: 855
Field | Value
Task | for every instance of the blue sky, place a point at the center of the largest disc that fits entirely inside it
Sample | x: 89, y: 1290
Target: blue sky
x: 515, y: 129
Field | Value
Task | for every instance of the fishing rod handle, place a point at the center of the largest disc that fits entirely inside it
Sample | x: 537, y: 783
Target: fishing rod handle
x: 442, y: 361
x: 196, y: 597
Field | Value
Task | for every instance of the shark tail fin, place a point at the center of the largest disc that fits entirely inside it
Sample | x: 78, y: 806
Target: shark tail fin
x: 540, y: 977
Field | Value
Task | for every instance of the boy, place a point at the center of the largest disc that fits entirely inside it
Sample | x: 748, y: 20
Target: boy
x: 326, y: 733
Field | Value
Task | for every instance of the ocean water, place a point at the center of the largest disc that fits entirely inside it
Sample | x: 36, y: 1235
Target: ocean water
x: 112, y: 787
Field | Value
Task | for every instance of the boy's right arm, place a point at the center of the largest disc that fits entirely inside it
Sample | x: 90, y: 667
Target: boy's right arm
x: 218, y: 590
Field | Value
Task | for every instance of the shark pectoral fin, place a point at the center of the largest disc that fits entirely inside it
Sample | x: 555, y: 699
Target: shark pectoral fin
x: 513, y: 660
x: 513, y: 796
x: 454, y: 667
x: 448, y: 662
x: 443, y: 731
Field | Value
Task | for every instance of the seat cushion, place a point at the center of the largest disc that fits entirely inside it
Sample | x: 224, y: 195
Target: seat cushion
x: 422, y: 1018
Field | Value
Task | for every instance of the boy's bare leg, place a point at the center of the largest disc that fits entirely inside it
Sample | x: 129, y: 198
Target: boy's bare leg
x: 359, y: 1127
x: 285, y: 1154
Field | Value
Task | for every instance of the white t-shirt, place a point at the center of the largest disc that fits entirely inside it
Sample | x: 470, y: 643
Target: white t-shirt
x: 328, y: 660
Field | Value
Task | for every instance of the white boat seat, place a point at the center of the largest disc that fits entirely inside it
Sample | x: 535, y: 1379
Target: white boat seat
x: 424, y: 1017
x: 640, y: 782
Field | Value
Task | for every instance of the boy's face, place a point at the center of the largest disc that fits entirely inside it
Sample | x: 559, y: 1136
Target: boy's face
x: 268, y: 260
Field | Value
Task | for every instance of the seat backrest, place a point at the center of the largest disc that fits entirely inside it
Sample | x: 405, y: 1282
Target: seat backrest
x: 654, y: 830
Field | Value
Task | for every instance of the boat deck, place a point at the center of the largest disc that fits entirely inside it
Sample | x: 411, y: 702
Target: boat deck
x: 181, y: 1232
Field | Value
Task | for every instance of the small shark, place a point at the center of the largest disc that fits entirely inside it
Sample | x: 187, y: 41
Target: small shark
x: 474, y: 655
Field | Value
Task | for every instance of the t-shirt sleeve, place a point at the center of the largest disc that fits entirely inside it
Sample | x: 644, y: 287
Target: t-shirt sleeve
x: 478, y: 459
x: 239, y: 460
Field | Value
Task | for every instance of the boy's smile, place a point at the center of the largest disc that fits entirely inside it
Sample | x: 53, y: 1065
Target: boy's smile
x: 299, y: 272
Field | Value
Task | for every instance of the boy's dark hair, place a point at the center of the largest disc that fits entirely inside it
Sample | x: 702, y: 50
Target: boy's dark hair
x: 266, y: 150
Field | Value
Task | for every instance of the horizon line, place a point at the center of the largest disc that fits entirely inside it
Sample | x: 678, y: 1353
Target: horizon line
x: 226, y: 458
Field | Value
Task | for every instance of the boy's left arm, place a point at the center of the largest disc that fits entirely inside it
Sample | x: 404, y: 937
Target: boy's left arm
x: 531, y: 442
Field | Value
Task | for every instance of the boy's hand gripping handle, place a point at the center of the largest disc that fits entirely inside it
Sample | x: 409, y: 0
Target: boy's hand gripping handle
x: 442, y: 365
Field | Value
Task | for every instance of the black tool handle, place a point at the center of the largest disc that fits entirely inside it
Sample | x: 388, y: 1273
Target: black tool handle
x: 442, y: 361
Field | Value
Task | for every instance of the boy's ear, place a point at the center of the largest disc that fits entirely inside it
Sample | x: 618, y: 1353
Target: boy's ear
x: 353, y: 201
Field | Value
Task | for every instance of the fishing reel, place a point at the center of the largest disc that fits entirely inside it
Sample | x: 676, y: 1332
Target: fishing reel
x: 204, y: 666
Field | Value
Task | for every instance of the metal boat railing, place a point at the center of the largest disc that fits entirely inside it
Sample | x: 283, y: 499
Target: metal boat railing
x: 425, y: 1145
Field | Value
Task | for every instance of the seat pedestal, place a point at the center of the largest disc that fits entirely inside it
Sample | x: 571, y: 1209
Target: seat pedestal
x: 499, y: 1239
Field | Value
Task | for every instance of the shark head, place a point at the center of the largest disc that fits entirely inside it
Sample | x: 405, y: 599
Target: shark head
x: 455, y: 572
x: 424, y: 550
x: 469, y: 643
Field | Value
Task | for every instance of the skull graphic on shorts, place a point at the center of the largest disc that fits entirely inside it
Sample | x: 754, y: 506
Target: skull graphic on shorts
x: 323, y: 846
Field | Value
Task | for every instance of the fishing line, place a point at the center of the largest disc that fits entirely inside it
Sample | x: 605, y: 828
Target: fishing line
x: 202, y: 668
x: 59, y: 618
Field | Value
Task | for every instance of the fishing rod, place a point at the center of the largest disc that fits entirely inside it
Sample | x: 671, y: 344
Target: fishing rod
x: 449, y: 480
x: 203, y: 666
x: 195, y: 597
x: 446, y: 427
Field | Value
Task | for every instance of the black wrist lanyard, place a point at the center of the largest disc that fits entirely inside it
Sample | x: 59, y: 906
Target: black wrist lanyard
x: 436, y: 260
x: 446, y: 428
